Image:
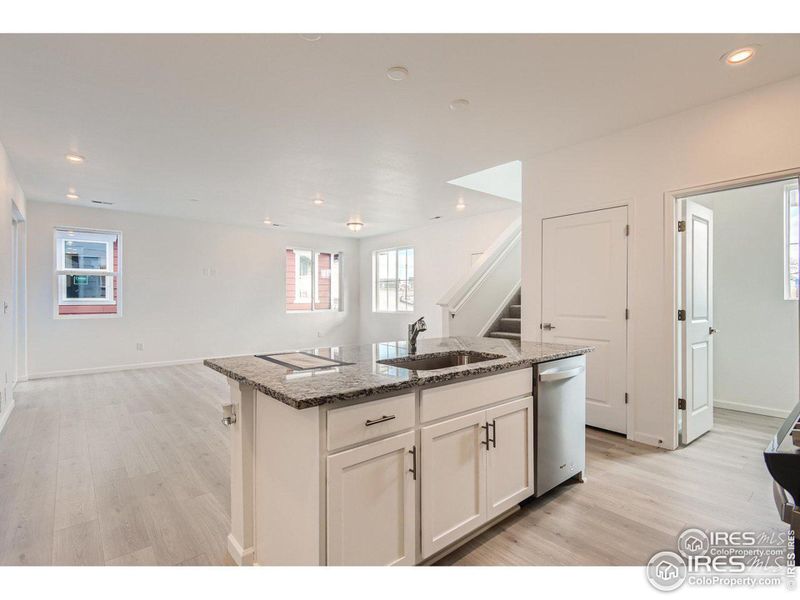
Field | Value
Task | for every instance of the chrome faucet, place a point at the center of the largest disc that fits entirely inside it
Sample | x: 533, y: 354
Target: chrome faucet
x: 414, y: 329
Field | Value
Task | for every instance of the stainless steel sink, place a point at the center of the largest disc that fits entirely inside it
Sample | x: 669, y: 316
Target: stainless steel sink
x: 433, y: 362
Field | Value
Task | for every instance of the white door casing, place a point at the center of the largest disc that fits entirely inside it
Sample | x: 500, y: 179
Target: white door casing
x: 509, y: 471
x: 454, y: 470
x: 584, y: 301
x: 371, y: 504
x: 696, y: 331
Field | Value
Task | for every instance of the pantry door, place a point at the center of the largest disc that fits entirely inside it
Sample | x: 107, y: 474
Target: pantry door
x: 584, y: 301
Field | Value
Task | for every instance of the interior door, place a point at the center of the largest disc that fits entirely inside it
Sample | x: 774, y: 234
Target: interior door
x: 454, y: 472
x: 697, y: 328
x: 509, y: 469
x: 371, y: 504
x: 584, y: 301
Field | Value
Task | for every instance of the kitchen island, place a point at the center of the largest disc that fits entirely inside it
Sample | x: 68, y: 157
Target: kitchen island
x: 370, y: 455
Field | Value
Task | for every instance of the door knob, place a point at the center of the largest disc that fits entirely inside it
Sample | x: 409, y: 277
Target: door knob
x: 712, y: 330
x: 547, y: 326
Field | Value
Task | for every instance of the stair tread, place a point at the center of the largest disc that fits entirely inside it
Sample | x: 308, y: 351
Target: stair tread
x: 515, y: 319
x: 515, y: 305
x: 505, y: 334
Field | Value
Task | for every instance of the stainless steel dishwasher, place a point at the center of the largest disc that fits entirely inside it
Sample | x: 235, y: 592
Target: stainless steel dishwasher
x: 560, y: 422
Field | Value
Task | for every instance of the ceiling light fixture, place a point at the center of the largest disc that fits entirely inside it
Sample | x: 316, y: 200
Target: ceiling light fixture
x: 460, y: 205
x: 739, y: 56
x: 267, y: 221
x: 459, y: 104
x: 311, y: 37
x: 436, y: 217
x: 318, y: 199
x: 71, y: 195
x: 397, y: 73
x: 355, y: 226
x: 74, y: 158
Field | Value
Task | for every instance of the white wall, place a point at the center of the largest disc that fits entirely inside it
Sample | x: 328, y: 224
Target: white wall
x: 442, y: 253
x: 752, y: 133
x: 756, y: 348
x: 10, y: 195
x: 169, y: 305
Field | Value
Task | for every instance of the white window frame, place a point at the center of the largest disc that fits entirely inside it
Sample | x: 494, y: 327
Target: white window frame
x: 787, y: 192
x: 314, y: 292
x: 60, y: 236
x: 375, y: 254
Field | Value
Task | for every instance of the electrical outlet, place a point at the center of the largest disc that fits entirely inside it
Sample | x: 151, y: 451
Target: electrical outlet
x: 139, y: 346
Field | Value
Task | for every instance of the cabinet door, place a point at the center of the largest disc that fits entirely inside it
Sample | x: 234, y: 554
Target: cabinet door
x: 371, y: 504
x: 453, y: 475
x: 509, y: 470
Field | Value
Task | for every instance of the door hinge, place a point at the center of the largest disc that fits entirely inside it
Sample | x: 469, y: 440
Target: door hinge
x: 627, y: 314
x: 681, y: 314
x: 681, y: 226
x: 626, y: 397
x: 627, y: 230
x: 681, y: 403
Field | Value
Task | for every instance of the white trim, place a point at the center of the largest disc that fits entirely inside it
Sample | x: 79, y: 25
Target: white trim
x: 125, y: 367
x: 242, y: 557
x: 5, y: 415
x: 752, y: 408
x: 672, y: 256
x: 788, y: 188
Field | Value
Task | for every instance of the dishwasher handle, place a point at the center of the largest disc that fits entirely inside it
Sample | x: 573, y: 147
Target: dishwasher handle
x: 556, y: 375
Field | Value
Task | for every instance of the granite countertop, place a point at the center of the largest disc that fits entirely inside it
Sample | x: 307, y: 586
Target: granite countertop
x: 364, y: 377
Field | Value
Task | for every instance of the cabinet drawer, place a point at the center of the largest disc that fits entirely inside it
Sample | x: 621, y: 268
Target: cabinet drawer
x: 369, y: 420
x: 455, y: 398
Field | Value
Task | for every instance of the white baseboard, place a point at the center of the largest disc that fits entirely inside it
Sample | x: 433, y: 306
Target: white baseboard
x: 239, y: 555
x: 6, y: 414
x: 110, y: 369
x: 752, y: 408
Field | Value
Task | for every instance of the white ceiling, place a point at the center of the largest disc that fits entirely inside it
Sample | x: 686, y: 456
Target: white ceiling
x: 256, y: 125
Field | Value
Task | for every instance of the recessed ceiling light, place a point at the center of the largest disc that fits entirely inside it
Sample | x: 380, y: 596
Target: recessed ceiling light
x: 267, y: 221
x: 74, y: 158
x: 71, y: 196
x: 311, y: 37
x: 355, y: 225
x: 739, y: 56
x: 459, y: 104
x: 318, y: 200
x: 192, y: 200
x: 397, y: 73
x: 436, y: 217
x: 460, y: 205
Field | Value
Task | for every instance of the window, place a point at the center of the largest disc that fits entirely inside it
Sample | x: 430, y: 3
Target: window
x: 790, y: 252
x: 313, y: 280
x: 87, y: 272
x: 393, y: 280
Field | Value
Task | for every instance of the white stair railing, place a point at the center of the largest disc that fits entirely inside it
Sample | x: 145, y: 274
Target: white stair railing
x: 472, y: 305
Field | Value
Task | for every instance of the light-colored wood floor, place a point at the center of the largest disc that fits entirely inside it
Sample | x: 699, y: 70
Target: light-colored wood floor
x: 132, y: 468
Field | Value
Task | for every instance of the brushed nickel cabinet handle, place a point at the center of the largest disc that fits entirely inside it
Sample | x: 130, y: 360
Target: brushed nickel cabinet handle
x: 383, y: 419
x: 486, y: 440
x: 413, y: 469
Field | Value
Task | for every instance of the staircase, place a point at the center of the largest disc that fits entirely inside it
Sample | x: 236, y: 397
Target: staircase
x: 508, y: 324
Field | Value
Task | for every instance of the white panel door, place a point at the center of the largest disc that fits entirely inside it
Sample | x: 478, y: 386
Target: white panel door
x: 454, y: 471
x: 371, y: 504
x: 584, y: 301
x: 509, y: 459
x: 698, y: 327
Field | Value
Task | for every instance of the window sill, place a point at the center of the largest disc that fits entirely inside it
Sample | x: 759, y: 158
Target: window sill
x: 88, y: 316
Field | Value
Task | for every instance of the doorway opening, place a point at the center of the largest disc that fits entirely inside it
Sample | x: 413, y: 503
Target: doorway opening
x: 738, y: 347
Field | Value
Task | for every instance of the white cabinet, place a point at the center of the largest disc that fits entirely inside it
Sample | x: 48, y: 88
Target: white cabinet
x: 371, y: 503
x: 454, y: 472
x: 474, y: 467
x: 509, y: 470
